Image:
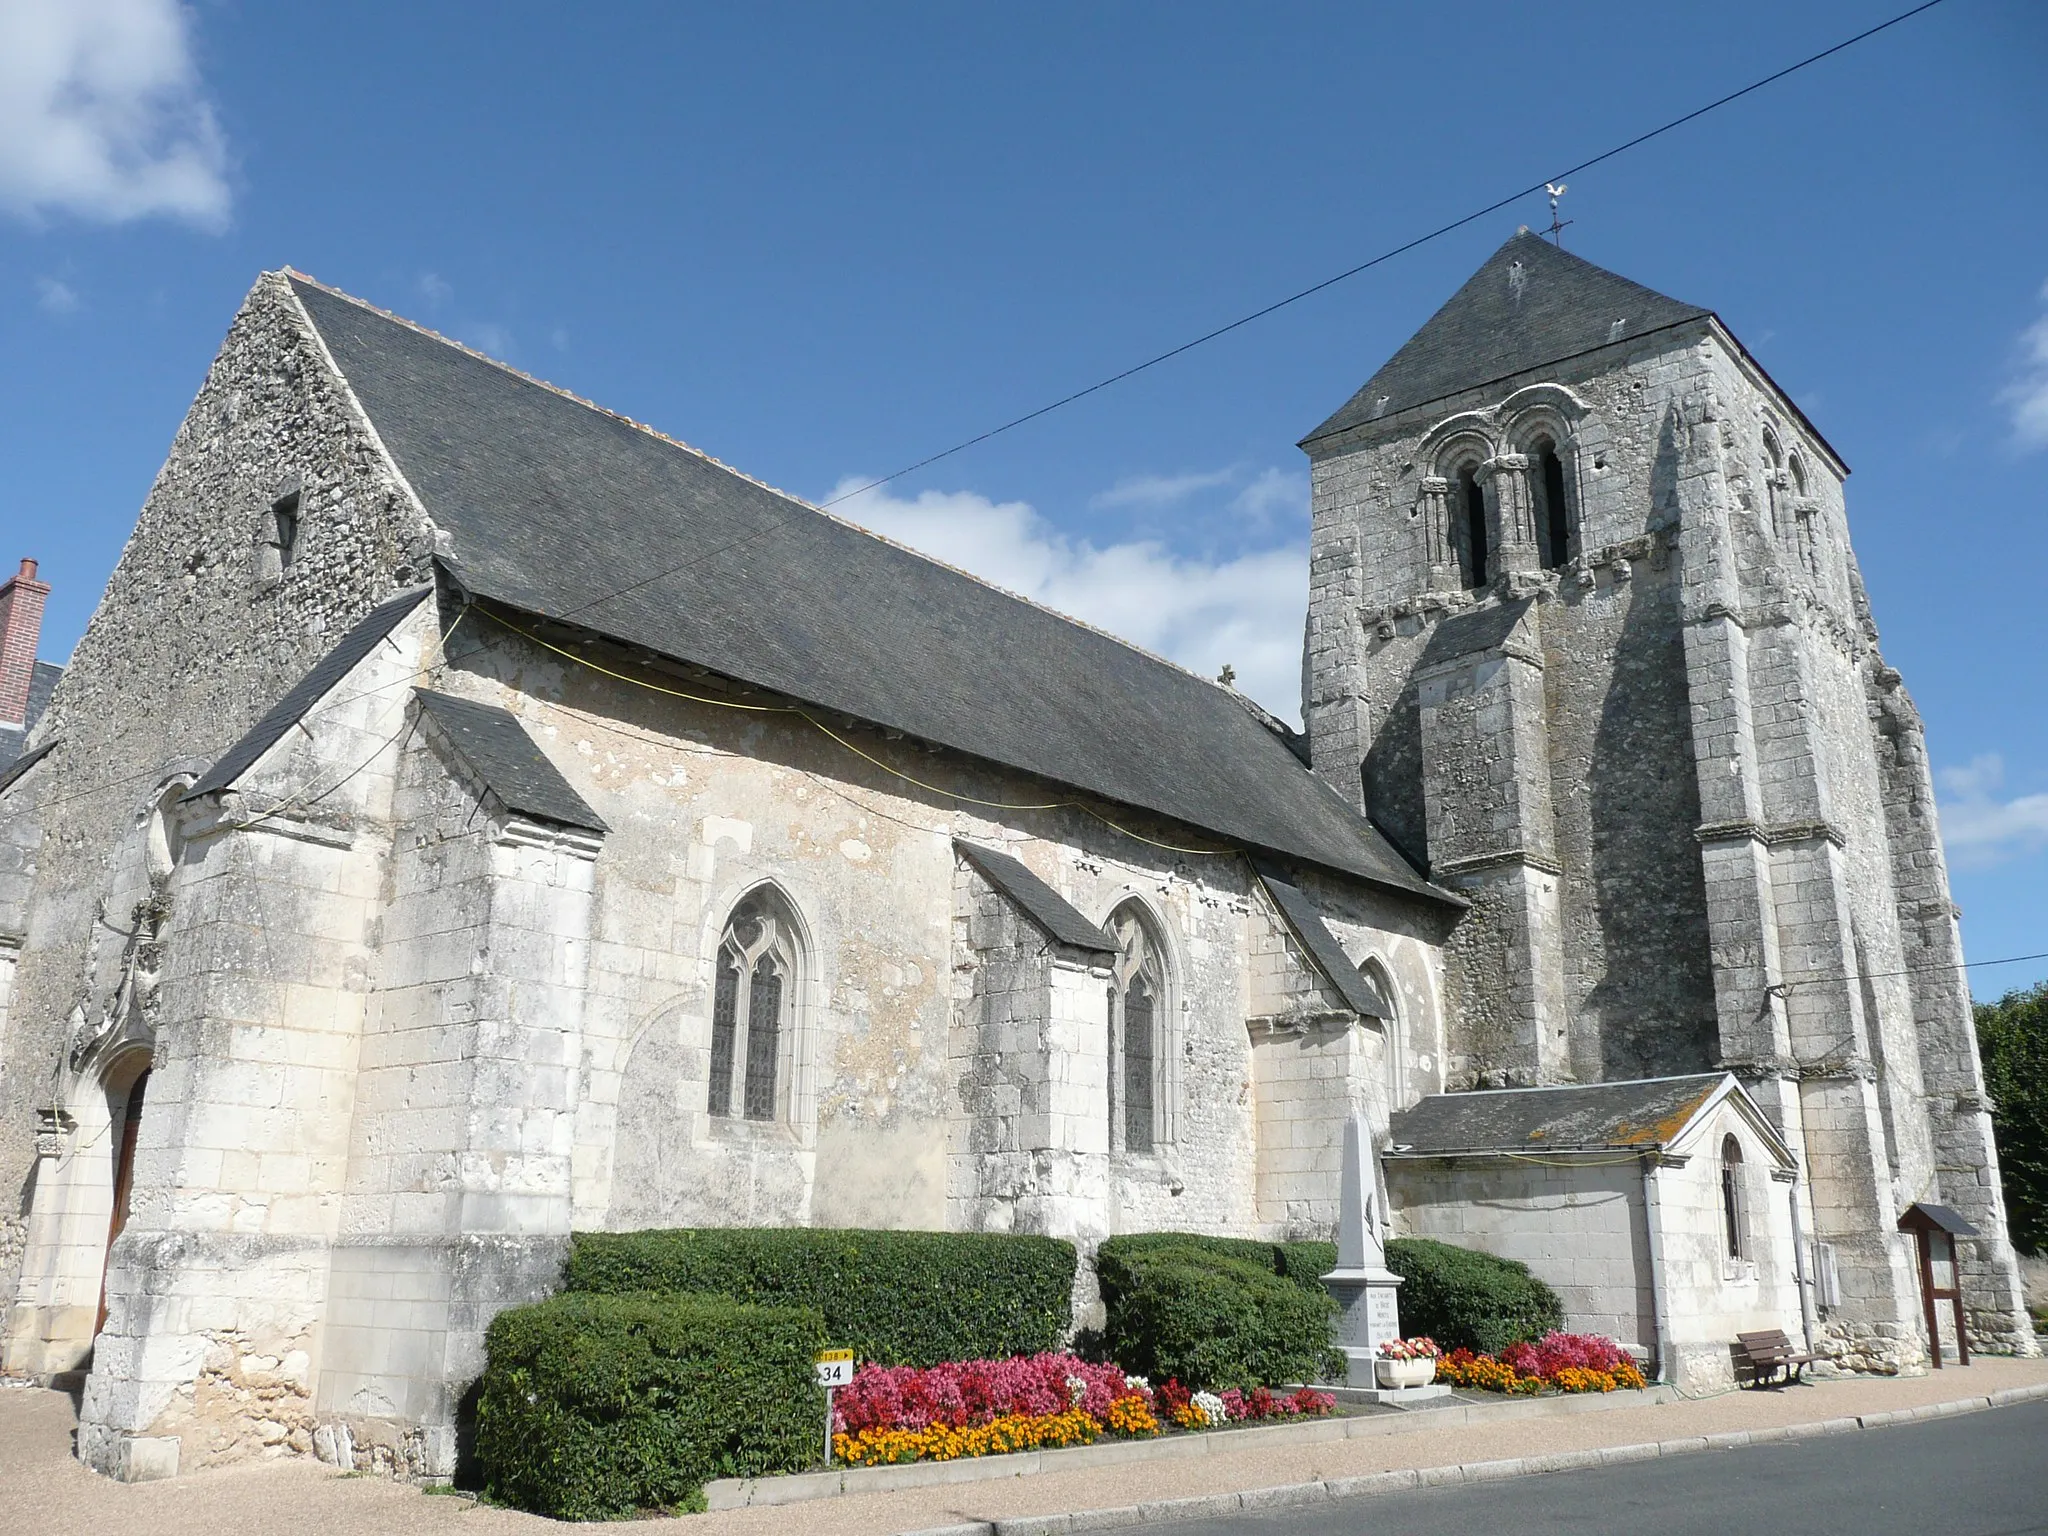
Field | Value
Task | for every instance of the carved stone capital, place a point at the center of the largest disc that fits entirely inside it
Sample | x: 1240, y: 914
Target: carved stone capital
x: 53, y: 1131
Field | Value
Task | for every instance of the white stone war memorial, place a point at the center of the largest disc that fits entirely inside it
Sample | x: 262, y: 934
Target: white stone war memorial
x: 472, y: 816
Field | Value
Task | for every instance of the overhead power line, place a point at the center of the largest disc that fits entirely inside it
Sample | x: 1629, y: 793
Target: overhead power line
x: 1914, y: 970
x: 1541, y: 184
x: 1261, y: 313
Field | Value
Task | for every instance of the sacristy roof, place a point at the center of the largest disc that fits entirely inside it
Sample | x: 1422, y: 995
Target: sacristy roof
x: 564, y: 510
x: 1643, y: 1115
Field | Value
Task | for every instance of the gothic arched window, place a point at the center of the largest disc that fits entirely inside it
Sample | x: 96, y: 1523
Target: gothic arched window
x: 1394, y: 1043
x: 753, y: 1004
x: 1472, y: 548
x: 1774, y: 475
x: 1554, y: 520
x: 1137, y: 1032
x: 1734, y: 1207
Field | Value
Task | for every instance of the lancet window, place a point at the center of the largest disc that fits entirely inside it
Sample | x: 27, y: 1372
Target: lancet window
x: 1734, y: 1207
x: 752, y: 1011
x: 1472, y: 547
x: 1137, y: 1030
x: 1555, y: 522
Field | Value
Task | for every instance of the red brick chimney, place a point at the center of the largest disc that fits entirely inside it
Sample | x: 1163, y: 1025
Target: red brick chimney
x: 21, y: 630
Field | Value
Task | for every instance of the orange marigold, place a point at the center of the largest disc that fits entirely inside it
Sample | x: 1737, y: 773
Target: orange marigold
x: 1129, y: 1416
x: 945, y: 1442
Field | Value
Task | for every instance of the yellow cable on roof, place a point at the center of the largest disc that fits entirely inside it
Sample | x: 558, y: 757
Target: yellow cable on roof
x: 805, y: 715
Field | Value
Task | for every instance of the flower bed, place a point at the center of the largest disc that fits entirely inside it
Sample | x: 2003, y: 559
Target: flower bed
x: 1419, y: 1348
x: 988, y: 1407
x: 1557, y: 1362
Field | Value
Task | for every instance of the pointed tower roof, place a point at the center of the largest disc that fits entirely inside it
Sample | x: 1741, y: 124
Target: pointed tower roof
x: 1530, y: 304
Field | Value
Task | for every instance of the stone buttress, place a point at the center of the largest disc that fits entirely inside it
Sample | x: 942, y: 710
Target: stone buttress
x: 1656, y: 745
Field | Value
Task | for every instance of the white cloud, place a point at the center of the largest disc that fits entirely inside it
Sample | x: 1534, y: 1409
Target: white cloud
x: 1271, y: 492
x: 1978, y: 828
x: 103, y: 115
x: 435, y: 289
x: 1160, y: 490
x: 1246, y: 611
x: 2027, y: 395
x: 54, y: 297
x: 488, y: 337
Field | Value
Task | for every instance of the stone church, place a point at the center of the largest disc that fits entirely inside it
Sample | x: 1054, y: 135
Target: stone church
x: 471, y: 816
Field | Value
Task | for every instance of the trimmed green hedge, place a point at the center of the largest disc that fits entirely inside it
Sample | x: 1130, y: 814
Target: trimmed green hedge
x: 1469, y: 1300
x: 1304, y: 1263
x: 597, y: 1406
x: 1212, y: 1311
x: 903, y: 1298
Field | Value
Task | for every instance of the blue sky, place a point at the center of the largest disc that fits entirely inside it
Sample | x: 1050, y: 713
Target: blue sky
x: 823, y: 241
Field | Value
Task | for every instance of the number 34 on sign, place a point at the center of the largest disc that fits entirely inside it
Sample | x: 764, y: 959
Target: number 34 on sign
x: 835, y: 1367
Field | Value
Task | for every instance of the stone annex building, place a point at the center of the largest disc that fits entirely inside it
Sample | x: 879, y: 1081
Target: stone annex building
x: 471, y: 816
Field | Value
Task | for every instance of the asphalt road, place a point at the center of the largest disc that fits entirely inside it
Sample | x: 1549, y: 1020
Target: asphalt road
x: 1979, y: 1474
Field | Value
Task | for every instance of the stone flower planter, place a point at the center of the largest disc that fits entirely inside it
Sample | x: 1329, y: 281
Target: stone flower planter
x: 1405, y: 1373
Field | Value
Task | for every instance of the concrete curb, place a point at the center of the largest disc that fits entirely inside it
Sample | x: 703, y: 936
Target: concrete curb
x: 802, y: 1487
x: 1300, y: 1495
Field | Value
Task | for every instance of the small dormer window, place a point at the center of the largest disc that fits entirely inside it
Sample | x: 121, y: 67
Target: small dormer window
x: 284, y: 517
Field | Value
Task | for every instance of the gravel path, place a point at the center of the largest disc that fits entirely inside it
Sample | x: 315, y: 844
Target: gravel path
x: 43, y: 1490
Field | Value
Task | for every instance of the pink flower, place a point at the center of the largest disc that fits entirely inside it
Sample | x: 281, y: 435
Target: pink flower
x: 969, y: 1392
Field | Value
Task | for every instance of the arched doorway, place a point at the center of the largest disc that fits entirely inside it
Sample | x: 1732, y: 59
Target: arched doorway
x: 127, y: 1085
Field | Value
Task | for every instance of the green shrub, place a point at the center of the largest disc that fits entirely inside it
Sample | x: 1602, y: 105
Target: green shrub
x: 595, y: 1406
x: 1304, y: 1263
x: 903, y: 1298
x: 1469, y: 1300
x: 1203, y: 1312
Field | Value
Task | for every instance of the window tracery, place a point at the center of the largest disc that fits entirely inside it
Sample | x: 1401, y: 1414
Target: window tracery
x: 1137, y: 1020
x: 1394, y: 1045
x: 753, y: 994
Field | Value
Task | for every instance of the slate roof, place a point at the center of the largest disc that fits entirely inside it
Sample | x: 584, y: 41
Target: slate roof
x: 508, y: 762
x: 1576, y: 1118
x: 1049, y: 911
x: 1530, y: 304
x: 308, y: 691
x: 12, y: 771
x: 42, y: 682
x: 1474, y: 632
x: 1323, y: 949
x: 554, y: 506
x: 1952, y: 1222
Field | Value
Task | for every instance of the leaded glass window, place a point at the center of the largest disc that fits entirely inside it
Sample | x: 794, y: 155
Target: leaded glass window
x: 750, y: 1006
x: 1136, y: 1009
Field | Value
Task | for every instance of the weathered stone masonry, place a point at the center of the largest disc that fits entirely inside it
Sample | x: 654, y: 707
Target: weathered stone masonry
x: 1669, y: 765
x: 425, y: 928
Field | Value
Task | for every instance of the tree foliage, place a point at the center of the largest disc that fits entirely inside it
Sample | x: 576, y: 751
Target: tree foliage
x: 2012, y: 1035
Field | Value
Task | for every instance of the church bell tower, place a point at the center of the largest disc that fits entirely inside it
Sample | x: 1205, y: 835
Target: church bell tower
x: 1588, y: 641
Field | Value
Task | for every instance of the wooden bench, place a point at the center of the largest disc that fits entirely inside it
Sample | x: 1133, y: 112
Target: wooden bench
x: 1769, y: 1355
